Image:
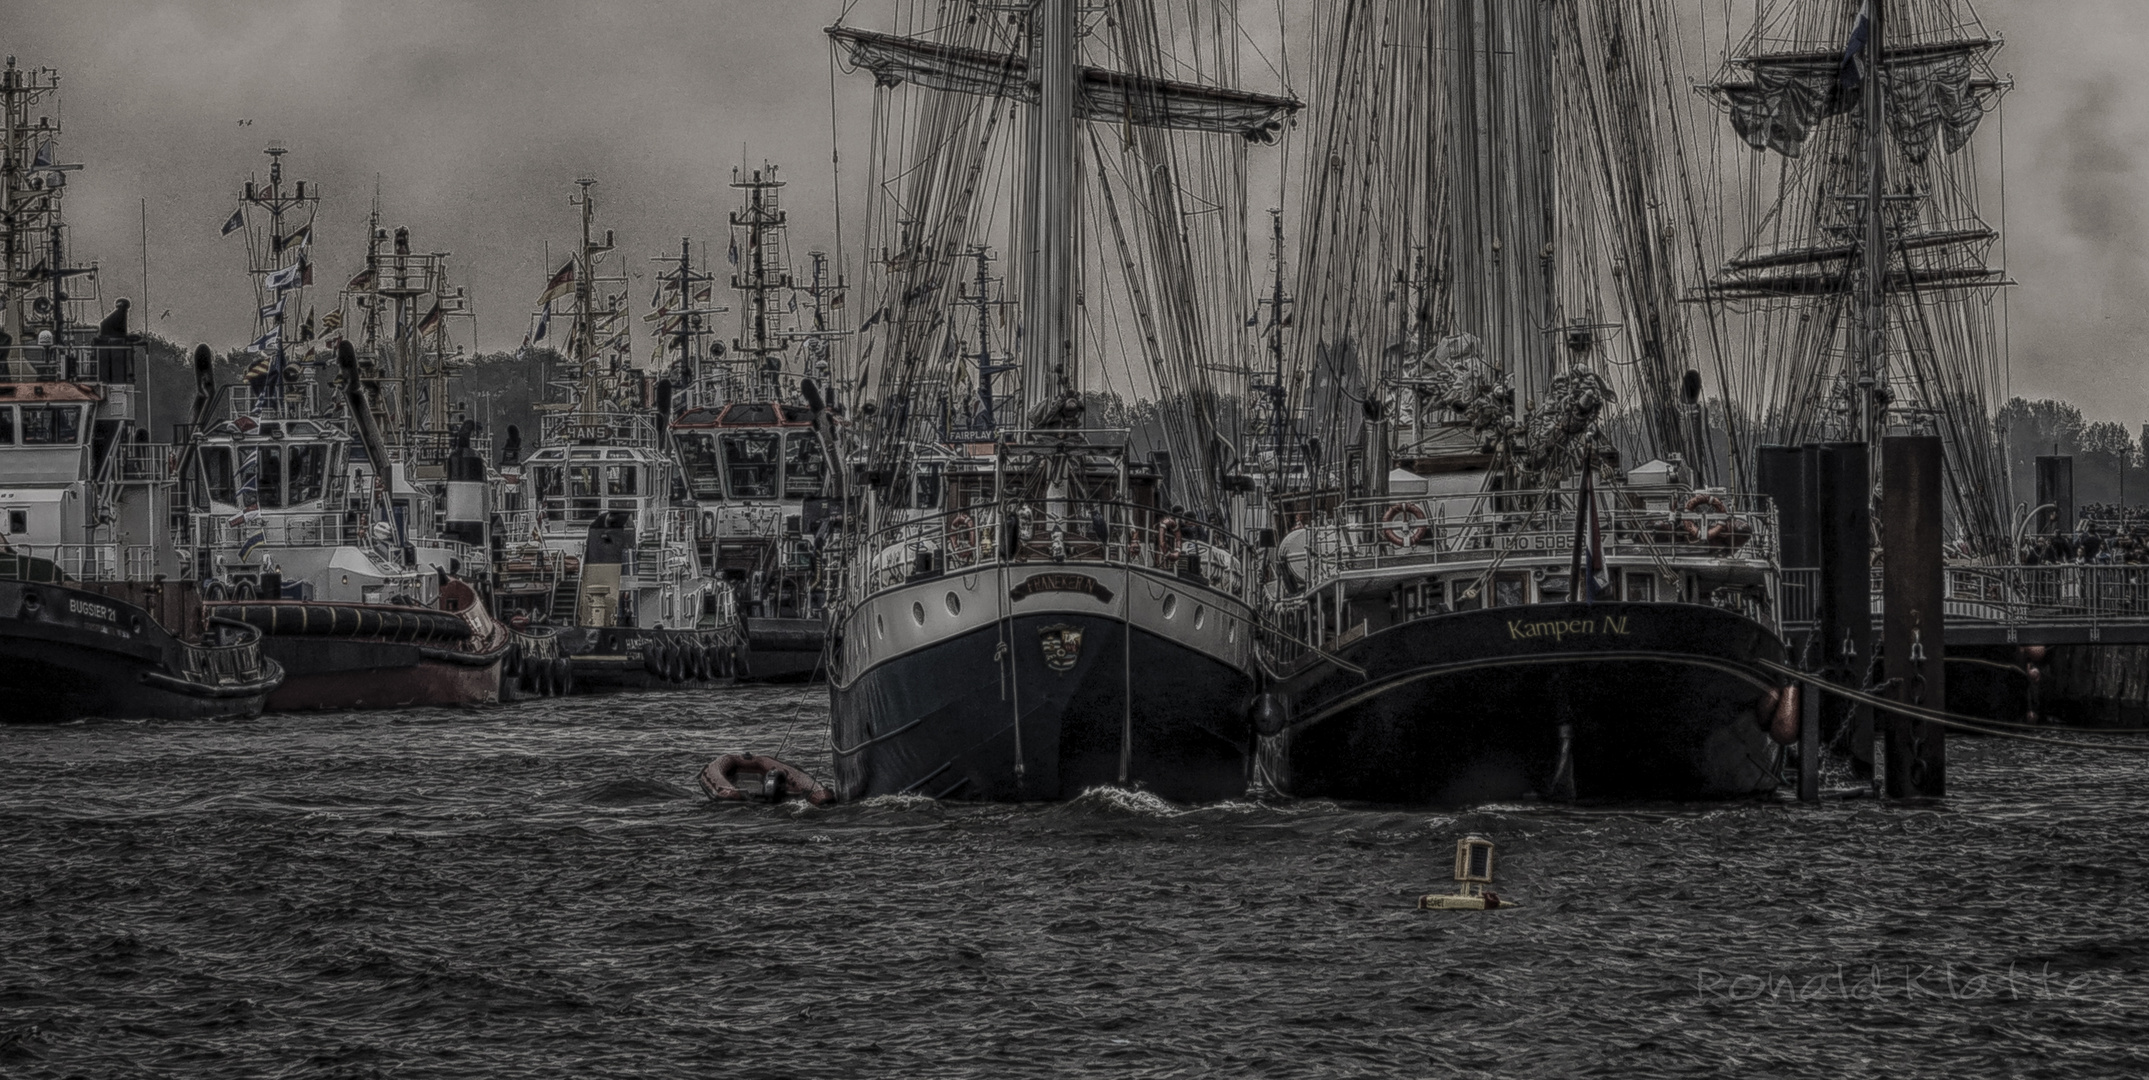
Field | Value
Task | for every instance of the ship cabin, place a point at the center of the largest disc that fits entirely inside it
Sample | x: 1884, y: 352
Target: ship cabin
x: 759, y: 472
x: 81, y: 484
x: 287, y: 505
x: 604, y: 533
x: 1447, y: 536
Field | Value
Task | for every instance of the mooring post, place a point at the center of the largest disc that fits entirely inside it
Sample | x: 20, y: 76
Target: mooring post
x: 1842, y: 485
x: 2055, y: 488
x: 1914, y: 592
x: 1809, y: 743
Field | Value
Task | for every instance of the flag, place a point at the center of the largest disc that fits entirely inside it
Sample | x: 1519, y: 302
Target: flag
x: 1848, y: 76
x: 273, y: 311
x: 362, y: 282
x: 794, y: 301
x: 876, y: 317
x: 733, y: 254
x: 304, y: 235
x: 432, y: 319
x: 47, y: 156
x: 334, y: 321
x: 267, y: 342
x: 233, y: 223
x: 305, y: 330
x: 1587, y: 576
x: 561, y: 284
x: 286, y: 278
x: 543, y: 317
x: 837, y: 302
x: 305, y: 269
x: 703, y: 294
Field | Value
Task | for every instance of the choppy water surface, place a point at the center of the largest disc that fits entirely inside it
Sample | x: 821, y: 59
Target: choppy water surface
x: 540, y: 890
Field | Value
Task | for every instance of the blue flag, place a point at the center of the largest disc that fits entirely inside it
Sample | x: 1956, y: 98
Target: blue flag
x: 1849, y: 76
x: 733, y: 255
x: 234, y: 222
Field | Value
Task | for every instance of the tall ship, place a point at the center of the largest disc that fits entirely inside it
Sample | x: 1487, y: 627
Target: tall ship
x: 744, y: 432
x: 602, y: 546
x: 1515, y: 558
x: 1032, y: 602
x: 99, y: 616
x: 304, y: 523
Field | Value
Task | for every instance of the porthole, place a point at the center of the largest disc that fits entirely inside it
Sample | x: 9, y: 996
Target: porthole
x: 955, y: 604
x: 1171, y: 604
x: 917, y: 613
x: 1201, y: 616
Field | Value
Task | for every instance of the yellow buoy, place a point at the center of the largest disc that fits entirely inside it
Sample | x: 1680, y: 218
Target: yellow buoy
x: 1473, y: 872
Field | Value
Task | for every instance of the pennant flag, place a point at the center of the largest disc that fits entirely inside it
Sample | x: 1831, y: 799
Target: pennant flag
x: 733, y: 255
x: 561, y: 284
x: 286, y: 278
x: 1848, y: 76
x: 876, y: 317
x: 305, y: 270
x: 47, y: 156
x: 362, y: 282
x: 837, y: 302
x: 233, y: 223
x: 304, y: 235
x: 794, y: 301
x: 432, y: 319
x: 704, y: 293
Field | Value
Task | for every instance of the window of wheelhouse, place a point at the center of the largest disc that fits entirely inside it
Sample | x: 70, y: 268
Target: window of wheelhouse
x: 622, y: 480
x: 217, y: 473
x: 804, y: 466
x: 271, y: 483
x: 697, y: 450
x: 7, y: 425
x: 919, y: 488
x: 584, y: 495
x: 750, y: 464
x: 306, y: 472
x: 51, y: 425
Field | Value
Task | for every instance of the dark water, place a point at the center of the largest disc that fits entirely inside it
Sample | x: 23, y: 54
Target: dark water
x: 539, y: 890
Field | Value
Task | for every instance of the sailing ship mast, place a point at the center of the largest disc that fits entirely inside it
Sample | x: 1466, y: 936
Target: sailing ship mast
x: 763, y: 344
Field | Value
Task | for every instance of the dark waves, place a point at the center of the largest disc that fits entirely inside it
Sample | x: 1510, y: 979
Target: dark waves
x: 540, y: 890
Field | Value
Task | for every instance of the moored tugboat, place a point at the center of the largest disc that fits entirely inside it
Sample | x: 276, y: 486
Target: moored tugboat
x: 306, y: 525
x: 97, y: 615
x: 603, y: 549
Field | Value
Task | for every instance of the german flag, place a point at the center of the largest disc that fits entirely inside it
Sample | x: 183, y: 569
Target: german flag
x: 561, y: 284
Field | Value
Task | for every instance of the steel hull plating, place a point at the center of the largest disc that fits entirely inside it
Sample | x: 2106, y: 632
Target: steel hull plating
x: 785, y: 650
x: 1657, y: 701
x: 58, y: 664
x: 932, y: 709
x: 333, y: 673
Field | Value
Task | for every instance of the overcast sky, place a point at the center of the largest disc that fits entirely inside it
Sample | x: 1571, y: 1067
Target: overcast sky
x: 477, y: 115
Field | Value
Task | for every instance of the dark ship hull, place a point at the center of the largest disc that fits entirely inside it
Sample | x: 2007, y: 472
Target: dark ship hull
x: 785, y: 650
x: 1589, y: 701
x: 375, y: 656
x: 69, y: 654
x: 1099, y: 702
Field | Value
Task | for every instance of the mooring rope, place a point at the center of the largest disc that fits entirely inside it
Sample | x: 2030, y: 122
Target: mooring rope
x: 1944, y: 718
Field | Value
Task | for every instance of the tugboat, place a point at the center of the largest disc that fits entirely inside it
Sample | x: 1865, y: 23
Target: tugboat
x: 603, y: 549
x: 97, y: 617
x: 746, y: 438
x: 1036, y: 609
x: 305, y: 524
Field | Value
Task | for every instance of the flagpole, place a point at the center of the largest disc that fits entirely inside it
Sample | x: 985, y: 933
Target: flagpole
x: 145, y: 265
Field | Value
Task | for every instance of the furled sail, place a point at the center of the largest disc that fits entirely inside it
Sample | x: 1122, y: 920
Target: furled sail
x: 1935, y: 91
x: 1103, y: 95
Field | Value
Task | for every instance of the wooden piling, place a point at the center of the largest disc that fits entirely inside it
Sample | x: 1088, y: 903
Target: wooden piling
x: 1913, y: 591
x: 1842, y: 486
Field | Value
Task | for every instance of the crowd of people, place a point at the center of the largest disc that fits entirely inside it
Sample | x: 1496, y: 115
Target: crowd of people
x: 2105, y: 533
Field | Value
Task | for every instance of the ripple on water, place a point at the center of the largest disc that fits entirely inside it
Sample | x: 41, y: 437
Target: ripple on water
x: 541, y: 888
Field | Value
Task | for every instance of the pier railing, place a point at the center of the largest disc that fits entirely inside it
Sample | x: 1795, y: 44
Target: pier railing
x: 2083, y: 596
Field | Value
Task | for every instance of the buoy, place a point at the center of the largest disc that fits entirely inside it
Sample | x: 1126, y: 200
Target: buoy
x: 1473, y: 872
x: 721, y: 779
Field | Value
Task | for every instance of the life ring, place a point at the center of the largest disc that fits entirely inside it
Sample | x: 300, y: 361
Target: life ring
x: 1705, y: 499
x: 962, y: 539
x: 720, y: 778
x: 1731, y: 533
x: 1672, y: 531
x: 1170, y: 534
x: 1399, y: 535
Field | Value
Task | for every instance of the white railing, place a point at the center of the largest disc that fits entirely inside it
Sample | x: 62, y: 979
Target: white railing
x: 82, y: 562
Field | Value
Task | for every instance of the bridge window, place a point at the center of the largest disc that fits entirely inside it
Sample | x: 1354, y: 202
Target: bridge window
x: 51, y: 425
x: 750, y: 464
x: 704, y: 476
x: 803, y: 465
x: 7, y: 425
x: 217, y: 474
x: 1510, y: 590
x: 620, y: 479
x: 272, y: 478
x: 307, y: 472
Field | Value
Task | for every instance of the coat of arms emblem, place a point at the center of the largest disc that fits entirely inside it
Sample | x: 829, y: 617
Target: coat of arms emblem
x: 1063, y: 646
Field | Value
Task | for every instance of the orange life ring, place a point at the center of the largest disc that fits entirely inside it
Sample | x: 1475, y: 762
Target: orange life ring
x: 1395, y: 533
x: 962, y: 539
x: 1699, y: 501
x: 1169, y: 534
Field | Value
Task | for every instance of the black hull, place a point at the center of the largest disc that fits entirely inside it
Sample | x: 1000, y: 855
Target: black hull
x: 83, y: 655
x: 785, y: 650
x: 946, y: 724
x: 1657, y: 701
